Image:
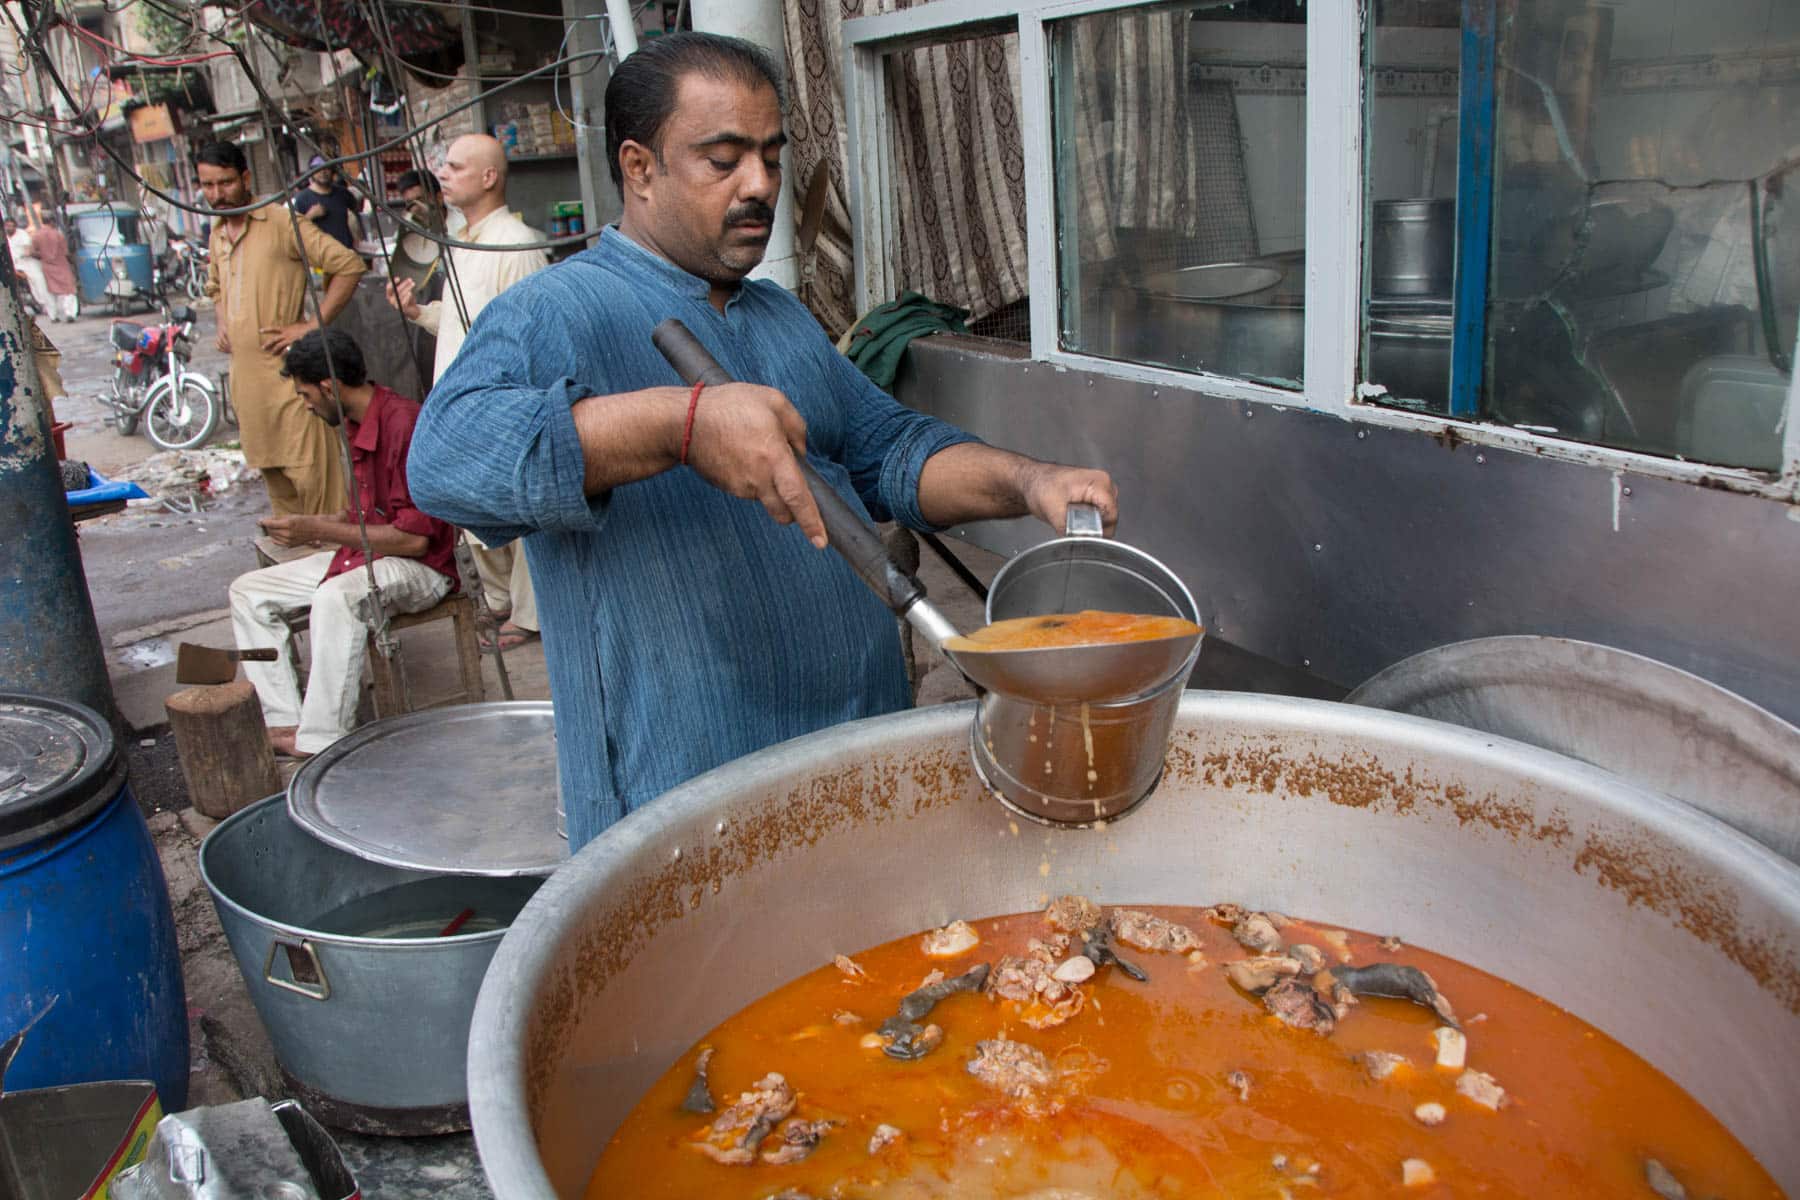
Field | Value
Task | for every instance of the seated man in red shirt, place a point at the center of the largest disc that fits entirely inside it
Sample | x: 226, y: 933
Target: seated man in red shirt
x: 414, y: 555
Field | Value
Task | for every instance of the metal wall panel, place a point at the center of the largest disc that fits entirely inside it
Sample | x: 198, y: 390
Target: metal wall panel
x: 1341, y: 548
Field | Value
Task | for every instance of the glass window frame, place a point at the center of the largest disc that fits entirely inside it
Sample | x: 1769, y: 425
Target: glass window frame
x: 1337, y: 116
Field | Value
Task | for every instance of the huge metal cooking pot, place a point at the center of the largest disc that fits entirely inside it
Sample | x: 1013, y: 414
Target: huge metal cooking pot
x: 1668, y: 930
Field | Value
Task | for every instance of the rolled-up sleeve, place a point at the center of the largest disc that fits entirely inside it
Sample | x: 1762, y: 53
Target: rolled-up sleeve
x: 495, y: 450
x: 887, y: 444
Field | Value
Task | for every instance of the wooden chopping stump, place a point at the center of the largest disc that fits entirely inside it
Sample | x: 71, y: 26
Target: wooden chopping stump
x: 224, y: 747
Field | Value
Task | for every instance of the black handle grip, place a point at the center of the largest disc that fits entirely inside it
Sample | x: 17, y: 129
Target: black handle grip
x: 848, y: 533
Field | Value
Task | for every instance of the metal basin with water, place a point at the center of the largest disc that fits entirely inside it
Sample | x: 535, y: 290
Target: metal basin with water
x: 365, y: 996
x: 1682, y: 935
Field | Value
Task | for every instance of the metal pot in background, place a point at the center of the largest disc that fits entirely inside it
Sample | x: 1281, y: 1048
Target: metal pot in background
x: 364, y: 905
x: 1409, y: 350
x: 363, y: 986
x: 1412, y: 247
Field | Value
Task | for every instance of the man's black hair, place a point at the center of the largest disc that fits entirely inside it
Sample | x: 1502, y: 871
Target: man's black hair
x: 223, y: 154
x: 640, y: 96
x: 413, y: 179
x: 306, y: 359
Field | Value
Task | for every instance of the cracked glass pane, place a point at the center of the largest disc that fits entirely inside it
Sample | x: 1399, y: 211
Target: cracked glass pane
x: 1181, y: 186
x: 1643, y: 286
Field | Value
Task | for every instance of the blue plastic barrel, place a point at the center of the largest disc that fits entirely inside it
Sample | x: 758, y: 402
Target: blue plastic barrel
x: 87, y: 941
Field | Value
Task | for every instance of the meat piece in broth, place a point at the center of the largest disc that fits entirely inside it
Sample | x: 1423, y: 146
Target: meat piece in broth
x: 1257, y: 975
x: 1072, y: 914
x: 735, y: 1134
x: 796, y: 1140
x: 903, y: 1035
x: 1310, y: 958
x: 699, y: 1099
x: 1482, y: 1088
x: 1399, y: 982
x: 1030, y: 981
x: 1096, y: 945
x: 958, y: 937
x: 1019, y: 1070
x: 1298, y: 1005
x: 1382, y: 1063
x: 1148, y: 932
x: 1256, y: 931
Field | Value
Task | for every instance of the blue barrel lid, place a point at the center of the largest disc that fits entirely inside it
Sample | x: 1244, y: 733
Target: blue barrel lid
x: 59, y: 763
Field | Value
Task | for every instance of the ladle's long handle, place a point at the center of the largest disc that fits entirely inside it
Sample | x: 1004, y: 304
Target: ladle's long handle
x: 849, y: 534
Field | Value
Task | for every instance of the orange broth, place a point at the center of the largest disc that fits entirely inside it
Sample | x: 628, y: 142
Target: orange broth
x: 1089, y: 627
x: 1143, y: 1106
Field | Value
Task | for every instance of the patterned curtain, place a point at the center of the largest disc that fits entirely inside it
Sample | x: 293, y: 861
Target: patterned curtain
x: 959, y: 161
x: 1159, y: 162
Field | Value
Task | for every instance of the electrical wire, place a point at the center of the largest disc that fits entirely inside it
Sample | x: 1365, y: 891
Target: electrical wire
x: 336, y: 161
x: 132, y: 57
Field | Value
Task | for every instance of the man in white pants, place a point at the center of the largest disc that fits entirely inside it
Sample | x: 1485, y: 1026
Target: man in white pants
x: 473, y: 181
x: 414, y: 554
x: 26, y: 264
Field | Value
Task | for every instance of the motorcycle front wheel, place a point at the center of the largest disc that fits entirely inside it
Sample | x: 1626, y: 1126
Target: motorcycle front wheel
x: 181, y: 420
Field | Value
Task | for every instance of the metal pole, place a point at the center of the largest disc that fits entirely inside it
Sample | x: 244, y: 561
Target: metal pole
x: 49, y: 643
x: 760, y: 21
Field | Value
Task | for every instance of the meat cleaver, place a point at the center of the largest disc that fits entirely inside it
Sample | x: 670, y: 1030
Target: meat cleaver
x: 204, y: 664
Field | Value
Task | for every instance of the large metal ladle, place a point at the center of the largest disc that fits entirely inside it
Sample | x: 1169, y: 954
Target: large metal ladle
x: 1059, y: 675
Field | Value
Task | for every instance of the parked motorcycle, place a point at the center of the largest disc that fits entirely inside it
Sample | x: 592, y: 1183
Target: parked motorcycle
x: 151, y: 382
x: 181, y: 268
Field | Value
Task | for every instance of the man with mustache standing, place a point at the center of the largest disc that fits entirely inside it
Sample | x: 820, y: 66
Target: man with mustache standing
x: 257, y: 273
x: 687, y: 620
x: 474, y: 183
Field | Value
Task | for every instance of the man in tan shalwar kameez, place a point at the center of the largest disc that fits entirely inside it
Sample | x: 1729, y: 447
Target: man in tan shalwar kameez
x: 258, y: 276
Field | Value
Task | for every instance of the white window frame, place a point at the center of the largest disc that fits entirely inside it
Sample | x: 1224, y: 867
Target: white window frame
x: 1335, y: 220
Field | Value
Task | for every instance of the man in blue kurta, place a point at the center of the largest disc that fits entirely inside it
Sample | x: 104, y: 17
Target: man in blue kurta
x: 690, y: 611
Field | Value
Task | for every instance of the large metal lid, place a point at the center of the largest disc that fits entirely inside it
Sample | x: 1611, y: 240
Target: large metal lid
x: 465, y: 790
x: 58, y: 764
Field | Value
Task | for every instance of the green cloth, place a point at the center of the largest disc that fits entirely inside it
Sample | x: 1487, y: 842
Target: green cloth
x: 878, y: 340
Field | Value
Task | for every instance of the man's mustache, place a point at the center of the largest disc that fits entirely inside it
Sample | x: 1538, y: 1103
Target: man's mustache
x: 751, y: 212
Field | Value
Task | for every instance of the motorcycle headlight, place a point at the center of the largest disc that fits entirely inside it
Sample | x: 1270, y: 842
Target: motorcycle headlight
x: 119, y: 269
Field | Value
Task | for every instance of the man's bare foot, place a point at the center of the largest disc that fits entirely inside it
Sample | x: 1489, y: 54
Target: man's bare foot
x: 283, y: 742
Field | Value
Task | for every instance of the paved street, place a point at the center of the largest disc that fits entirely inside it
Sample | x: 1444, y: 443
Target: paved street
x: 148, y: 564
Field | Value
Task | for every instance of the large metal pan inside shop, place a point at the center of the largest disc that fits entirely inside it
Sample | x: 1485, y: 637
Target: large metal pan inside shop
x: 1664, y: 928
x: 364, y: 906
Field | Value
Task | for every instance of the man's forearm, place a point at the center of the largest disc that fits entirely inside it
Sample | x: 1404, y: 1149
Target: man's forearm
x: 973, y: 482
x: 629, y: 436
x: 384, y: 540
x: 338, y: 291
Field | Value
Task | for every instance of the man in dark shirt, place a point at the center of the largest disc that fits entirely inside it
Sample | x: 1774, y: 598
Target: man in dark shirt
x: 326, y: 202
x: 414, y: 554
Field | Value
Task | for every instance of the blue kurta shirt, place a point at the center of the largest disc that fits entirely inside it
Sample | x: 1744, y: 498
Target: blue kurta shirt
x: 682, y: 627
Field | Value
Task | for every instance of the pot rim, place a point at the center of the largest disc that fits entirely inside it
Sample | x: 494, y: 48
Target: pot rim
x: 456, y: 941
x: 497, y: 1067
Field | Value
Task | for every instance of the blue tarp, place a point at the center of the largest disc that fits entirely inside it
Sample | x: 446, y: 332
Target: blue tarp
x: 100, y: 490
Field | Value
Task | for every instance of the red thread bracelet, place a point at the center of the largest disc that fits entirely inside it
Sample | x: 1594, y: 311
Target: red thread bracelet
x: 687, y: 430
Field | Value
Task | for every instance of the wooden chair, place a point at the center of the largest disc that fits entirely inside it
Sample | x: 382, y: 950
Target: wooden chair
x: 391, y: 695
